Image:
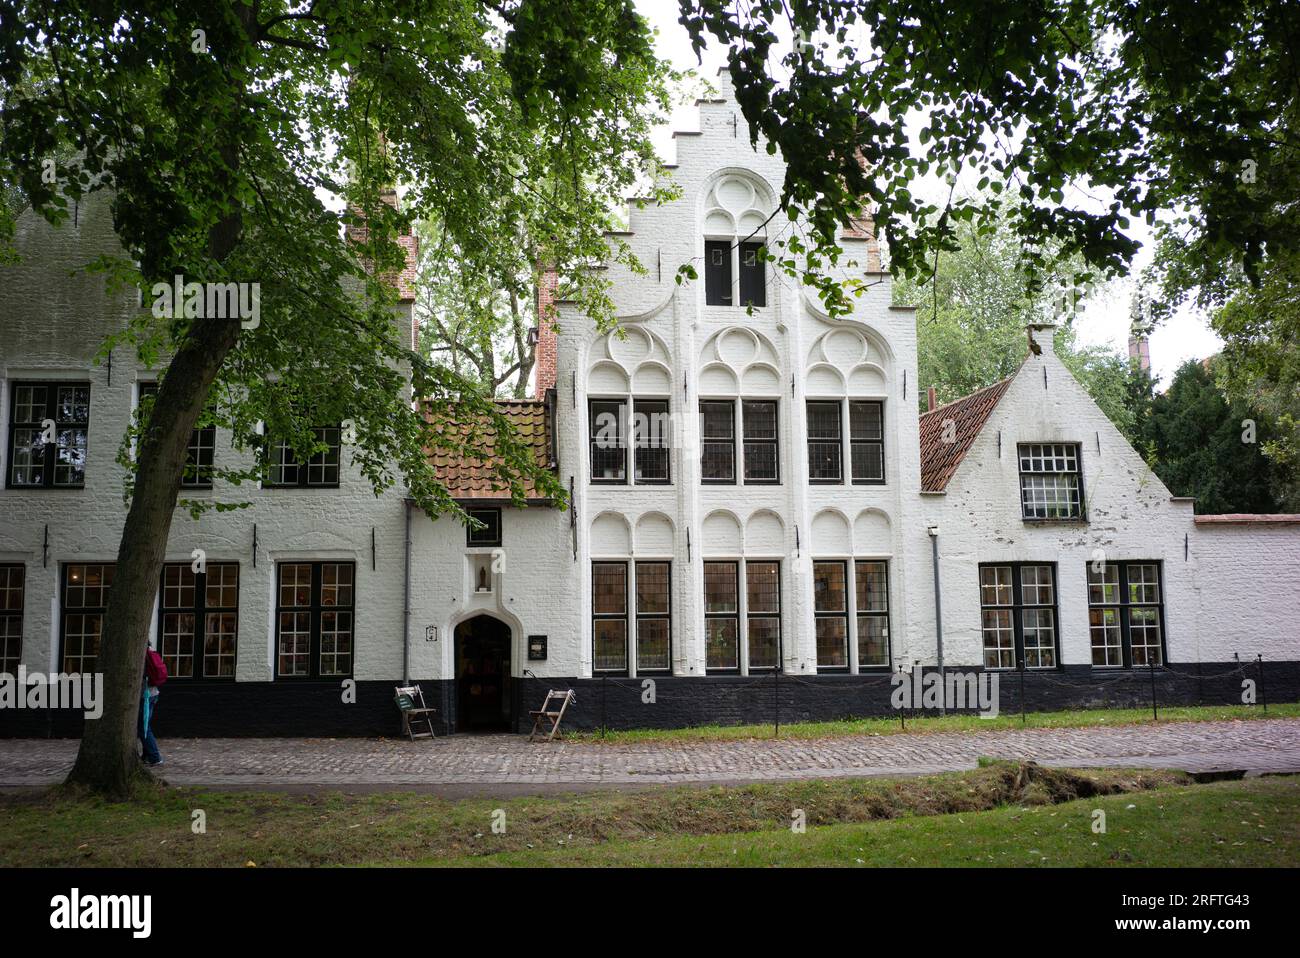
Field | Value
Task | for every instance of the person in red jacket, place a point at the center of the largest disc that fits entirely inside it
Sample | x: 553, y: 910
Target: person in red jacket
x: 155, y: 673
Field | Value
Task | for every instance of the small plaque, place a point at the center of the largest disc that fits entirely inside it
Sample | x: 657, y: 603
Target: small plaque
x: 536, y: 648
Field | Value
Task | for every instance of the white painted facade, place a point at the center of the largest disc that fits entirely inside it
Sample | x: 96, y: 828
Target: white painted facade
x: 1229, y: 588
x: 1237, y: 590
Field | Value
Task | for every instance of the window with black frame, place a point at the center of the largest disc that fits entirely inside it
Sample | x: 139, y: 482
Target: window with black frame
x: 314, y: 619
x: 718, y: 441
x: 1126, y: 614
x: 831, y: 614
x: 653, y: 617
x: 84, y: 602
x: 609, y: 617
x: 652, y: 439
x: 825, y: 442
x: 320, y: 471
x: 49, y: 427
x: 871, y: 579
x: 12, y: 598
x: 607, y: 434
x: 763, y: 614
x: 867, y: 441
x: 484, y: 527
x: 198, y: 625
x: 1018, y: 609
x: 760, y: 440
x: 1050, y: 486
x: 202, y: 448
x: 721, y: 617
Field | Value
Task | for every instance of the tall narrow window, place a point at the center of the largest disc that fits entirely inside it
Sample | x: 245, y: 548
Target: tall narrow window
x: 866, y: 441
x: 609, y: 616
x: 653, y: 617
x: 996, y: 603
x: 85, y: 599
x: 607, y: 431
x: 321, y: 470
x: 753, y: 275
x: 198, y: 457
x: 872, y: 582
x: 651, y: 436
x: 825, y: 442
x: 718, y: 432
x: 48, y: 428
x: 717, y: 272
x: 831, y: 611
x: 12, y: 581
x: 1104, y: 609
x: 721, y: 616
x: 199, y: 620
x: 1126, y: 614
x: 1049, y: 481
x: 763, y: 614
x: 760, y: 440
x: 314, y: 619
x: 1018, y: 609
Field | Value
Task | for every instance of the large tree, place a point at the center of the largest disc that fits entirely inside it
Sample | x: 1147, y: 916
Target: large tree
x: 1094, y: 111
x: 221, y: 130
x: 1202, y: 445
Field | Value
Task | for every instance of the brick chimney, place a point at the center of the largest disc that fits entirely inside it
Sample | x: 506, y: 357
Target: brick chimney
x: 548, y: 344
x: 930, y: 397
x: 407, y: 240
x: 1139, y: 351
x: 864, y: 228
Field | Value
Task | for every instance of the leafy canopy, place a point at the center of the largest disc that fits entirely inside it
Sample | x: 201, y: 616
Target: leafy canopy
x: 292, y: 121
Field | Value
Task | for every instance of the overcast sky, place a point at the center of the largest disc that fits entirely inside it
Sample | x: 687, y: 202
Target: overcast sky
x: 1104, y: 321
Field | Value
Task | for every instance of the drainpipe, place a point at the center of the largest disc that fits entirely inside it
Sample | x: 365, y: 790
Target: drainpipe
x: 938, y: 606
x: 406, y: 600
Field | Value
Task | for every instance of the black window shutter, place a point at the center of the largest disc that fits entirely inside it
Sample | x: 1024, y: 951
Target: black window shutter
x: 753, y: 285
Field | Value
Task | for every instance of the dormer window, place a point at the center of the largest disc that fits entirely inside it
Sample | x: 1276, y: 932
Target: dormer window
x: 735, y: 224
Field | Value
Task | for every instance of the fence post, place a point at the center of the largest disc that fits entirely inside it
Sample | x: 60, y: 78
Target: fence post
x: 603, y: 688
x: 1023, y: 720
x: 1263, y: 700
x: 1155, y: 715
x: 776, y: 700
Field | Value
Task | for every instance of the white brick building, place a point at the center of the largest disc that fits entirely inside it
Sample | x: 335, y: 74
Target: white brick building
x: 774, y: 551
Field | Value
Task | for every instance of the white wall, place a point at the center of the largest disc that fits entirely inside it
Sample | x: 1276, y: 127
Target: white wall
x: 1227, y: 588
x: 51, y: 324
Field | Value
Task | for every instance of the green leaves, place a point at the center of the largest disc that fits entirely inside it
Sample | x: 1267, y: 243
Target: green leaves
x: 1151, y: 103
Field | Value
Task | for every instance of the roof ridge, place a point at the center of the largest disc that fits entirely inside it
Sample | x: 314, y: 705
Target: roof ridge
x: 959, y: 399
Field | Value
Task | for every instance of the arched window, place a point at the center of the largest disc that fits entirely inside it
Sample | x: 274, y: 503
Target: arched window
x: 735, y: 221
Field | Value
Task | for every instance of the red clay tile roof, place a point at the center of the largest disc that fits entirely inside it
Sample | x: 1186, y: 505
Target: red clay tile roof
x: 939, y: 459
x: 1238, y: 517
x: 468, y: 477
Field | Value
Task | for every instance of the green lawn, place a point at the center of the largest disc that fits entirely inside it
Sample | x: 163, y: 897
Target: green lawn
x: 996, y: 814
x: 942, y: 723
x: 1226, y: 824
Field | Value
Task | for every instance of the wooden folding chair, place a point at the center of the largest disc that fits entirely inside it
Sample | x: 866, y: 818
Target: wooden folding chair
x: 410, y: 701
x: 548, y: 712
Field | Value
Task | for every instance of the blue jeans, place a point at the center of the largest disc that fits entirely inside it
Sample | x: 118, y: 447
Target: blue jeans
x: 148, y: 705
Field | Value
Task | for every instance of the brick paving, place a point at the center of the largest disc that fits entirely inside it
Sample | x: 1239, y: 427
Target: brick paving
x: 1270, y: 745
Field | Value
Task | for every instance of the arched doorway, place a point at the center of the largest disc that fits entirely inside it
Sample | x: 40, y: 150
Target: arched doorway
x: 484, y: 701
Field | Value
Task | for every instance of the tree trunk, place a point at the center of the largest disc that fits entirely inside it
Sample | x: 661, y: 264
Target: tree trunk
x: 107, y: 760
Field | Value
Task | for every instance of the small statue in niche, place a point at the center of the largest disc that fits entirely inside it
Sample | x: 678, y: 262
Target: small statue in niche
x: 482, y: 579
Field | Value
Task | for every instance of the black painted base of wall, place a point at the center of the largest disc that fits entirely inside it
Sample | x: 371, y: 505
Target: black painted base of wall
x: 317, y: 710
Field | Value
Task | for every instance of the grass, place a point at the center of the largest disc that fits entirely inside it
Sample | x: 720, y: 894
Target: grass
x: 1079, y: 718
x: 1254, y: 823
x: 990, y: 815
